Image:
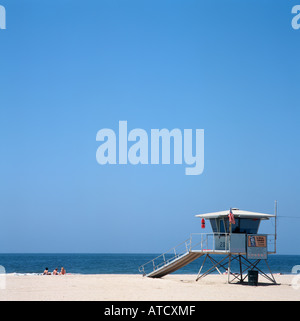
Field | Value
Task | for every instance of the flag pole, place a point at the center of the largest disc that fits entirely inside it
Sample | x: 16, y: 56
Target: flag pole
x: 275, y: 225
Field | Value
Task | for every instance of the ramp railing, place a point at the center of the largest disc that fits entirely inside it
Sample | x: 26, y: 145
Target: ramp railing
x: 210, y: 242
x: 167, y: 257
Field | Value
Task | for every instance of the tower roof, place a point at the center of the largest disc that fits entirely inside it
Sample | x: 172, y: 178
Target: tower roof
x: 237, y: 213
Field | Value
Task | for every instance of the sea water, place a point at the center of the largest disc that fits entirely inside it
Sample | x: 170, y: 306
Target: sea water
x: 98, y: 263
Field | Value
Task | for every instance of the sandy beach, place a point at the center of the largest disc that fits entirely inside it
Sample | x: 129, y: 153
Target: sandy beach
x: 138, y: 288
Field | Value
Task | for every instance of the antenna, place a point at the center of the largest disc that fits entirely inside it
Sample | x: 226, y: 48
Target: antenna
x: 275, y: 224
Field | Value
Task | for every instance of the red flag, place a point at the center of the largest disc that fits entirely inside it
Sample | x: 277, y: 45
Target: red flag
x: 231, y: 217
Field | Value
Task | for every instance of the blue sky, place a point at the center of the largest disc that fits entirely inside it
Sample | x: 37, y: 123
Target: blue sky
x: 71, y: 68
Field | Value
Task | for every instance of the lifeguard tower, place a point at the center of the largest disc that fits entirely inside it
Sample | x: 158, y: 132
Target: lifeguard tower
x: 234, y: 237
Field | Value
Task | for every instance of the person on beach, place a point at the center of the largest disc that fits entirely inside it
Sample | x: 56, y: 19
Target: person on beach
x: 46, y: 272
x: 62, y: 272
x: 55, y: 272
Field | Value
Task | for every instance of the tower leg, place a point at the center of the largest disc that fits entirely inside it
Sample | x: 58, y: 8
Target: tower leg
x: 272, y: 279
x: 198, y: 276
x: 241, y: 270
x: 228, y: 280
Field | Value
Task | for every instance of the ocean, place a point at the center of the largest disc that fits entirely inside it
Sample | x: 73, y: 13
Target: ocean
x: 121, y: 263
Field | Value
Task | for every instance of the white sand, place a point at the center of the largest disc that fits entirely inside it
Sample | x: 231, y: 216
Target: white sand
x: 135, y: 287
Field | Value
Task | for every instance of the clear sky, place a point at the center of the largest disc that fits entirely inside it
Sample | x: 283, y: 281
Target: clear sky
x: 70, y: 68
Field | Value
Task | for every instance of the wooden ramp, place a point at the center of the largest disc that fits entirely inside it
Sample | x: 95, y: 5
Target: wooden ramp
x: 175, y: 264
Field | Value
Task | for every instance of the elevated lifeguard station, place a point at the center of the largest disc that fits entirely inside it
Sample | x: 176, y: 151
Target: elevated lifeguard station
x: 234, y: 236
